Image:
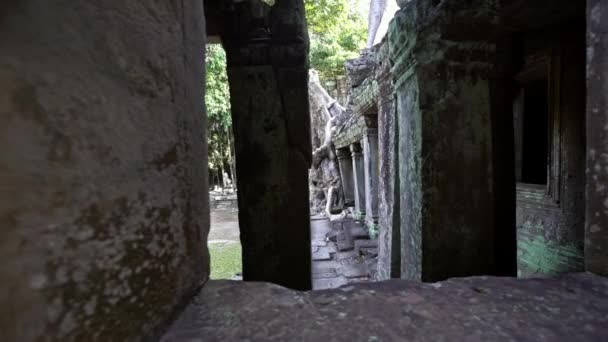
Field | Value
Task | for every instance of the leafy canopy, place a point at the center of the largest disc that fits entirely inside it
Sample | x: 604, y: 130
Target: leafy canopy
x: 338, y: 32
x: 217, y: 96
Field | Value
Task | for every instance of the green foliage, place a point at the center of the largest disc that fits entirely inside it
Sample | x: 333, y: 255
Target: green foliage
x: 337, y: 33
x: 226, y: 260
x: 217, y: 99
x: 321, y: 14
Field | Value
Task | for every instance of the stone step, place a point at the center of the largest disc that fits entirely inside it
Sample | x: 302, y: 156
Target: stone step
x: 323, y: 253
x: 359, y: 232
x: 367, y: 247
x: 354, y: 271
x: 359, y: 244
x: 329, y: 283
x: 339, y: 256
x: 345, y: 241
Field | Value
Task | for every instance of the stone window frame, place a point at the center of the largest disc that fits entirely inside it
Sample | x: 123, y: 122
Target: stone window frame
x: 546, y: 63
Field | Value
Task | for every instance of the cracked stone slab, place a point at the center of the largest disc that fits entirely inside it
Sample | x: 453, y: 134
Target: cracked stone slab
x: 568, y: 308
x: 357, y: 230
x: 321, y: 254
x: 345, y: 241
x: 321, y: 266
x: 346, y: 255
x: 355, y: 271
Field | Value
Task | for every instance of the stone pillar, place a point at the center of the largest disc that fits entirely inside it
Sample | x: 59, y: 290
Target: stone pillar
x: 359, y: 178
x: 596, y: 232
x: 389, y: 239
x: 370, y: 162
x: 346, y: 174
x: 268, y: 75
x: 446, y: 145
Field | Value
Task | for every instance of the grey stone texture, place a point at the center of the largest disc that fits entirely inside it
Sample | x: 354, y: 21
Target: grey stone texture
x: 389, y: 239
x: 456, y: 70
x: 596, y: 232
x: 568, y: 308
x: 342, y: 253
x: 373, y: 123
x: 268, y: 76
x: 346, y: 175
x: 358, y: 69
x: 359, y: 177
x: 442, y: 91
x: 351, y: 131
x: 370, y: 170
x: 103, y: 170
x: 337, y: 88
x: 104, y: 207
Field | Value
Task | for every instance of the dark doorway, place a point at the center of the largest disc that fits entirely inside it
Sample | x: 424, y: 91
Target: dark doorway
x: 534, y: 133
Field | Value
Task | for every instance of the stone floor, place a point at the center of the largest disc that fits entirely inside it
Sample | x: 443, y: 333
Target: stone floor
x: 342, y: 253
x: 224, y: 225
x: 569, y: 308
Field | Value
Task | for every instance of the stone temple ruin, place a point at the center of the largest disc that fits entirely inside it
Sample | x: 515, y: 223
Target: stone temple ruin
x: 474, y: 140
x: 404, y: 122
x: 388, y: 148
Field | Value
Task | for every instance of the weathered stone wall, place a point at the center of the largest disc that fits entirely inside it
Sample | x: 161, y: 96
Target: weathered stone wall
x: 362, y: 96
x: 443, y: 103
x: 103, y: 207
x: 453, y: 87
x: 337, y: 88
x: 596, y: 238
x: 351, y: 133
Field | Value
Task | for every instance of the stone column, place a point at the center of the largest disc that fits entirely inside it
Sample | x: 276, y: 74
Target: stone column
x: 346, y: 173
x: 447, y: 170
x: 370, y: 166
x: 596, y: 232
x: 268, y: 75
x: 389, y: 235
x: 359, y: 178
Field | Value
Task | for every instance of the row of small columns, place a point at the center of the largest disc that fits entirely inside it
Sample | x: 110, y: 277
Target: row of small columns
x: 359, y: 172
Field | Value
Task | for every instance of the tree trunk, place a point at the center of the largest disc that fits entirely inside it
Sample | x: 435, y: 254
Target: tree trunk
x: 376, y: 12
x: 325, y: 183
x: 232, y: 159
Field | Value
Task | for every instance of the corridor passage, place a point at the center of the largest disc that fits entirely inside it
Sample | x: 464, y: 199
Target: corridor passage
x: 342, y: 253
